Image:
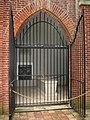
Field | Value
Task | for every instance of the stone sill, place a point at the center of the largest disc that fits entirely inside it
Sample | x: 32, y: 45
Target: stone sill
x: 83, y: 2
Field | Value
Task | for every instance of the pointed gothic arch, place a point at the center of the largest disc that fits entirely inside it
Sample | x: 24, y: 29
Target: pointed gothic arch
x: 65, y: 21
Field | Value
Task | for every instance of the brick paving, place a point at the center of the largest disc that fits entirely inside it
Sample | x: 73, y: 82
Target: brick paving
x: 48, y: 115
x: 67, y: 114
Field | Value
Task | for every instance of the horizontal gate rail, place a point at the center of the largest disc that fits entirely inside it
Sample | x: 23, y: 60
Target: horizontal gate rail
x: 41, y: 47
x: 46, y: 75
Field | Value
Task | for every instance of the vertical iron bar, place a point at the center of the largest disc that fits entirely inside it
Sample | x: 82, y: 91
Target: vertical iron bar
x: 24, y: 74
x: 16, y: 74
x: 63, y: 71
x: 44, y: 55
x: 30, y: 60
x: 51, y: 76
x: 80, y: 89
x: 23, y: 64
x: 66, y: 70
x: 20, y: 87
x: 57, y: 65
x: 28, y: 87
x: 26, y: 60
x: 47, y: 60
x: 60, y: 70
x: 71, y: 73
x: 36, y: 61
x: 38, y: 65
x: 33, y: 62
x: 81, y: 29
x: 83, y: 75
x: 68, y: 73
x: 84, y: 66
x: 54, y: 58
x: 40, y: 54
x: 38, y: 74
x: 14, y: 71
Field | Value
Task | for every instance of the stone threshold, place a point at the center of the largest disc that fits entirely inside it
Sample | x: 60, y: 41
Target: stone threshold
x: 84, y: 2
x: 42, y: 108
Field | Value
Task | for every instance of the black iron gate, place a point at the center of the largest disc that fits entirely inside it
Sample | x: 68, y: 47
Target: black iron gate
x: 39, y: 64
x: 77, y: 60
x: 11, y: 65
x: 42, y: 68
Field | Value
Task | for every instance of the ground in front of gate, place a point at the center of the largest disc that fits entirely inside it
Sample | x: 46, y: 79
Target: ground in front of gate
x: 67, y: 114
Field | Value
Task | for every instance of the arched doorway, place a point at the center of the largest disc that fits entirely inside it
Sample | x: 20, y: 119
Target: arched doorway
x: 42, y: 65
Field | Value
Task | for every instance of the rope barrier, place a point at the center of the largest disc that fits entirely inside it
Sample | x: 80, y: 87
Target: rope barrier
x: 28, y: 97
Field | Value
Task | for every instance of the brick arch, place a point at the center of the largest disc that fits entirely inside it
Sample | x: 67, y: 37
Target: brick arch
x: 65, y: 21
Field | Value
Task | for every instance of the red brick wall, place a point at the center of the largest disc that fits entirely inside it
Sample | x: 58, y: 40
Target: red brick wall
x: 87, y: 42
x: 78, y: 61
x: 5, y: 69
x: 1, y: 39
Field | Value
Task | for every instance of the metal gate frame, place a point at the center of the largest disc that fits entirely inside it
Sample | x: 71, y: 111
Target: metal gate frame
x: 58, y: 45
x: 11, y: 65
x: 79, y: 81
x: 82, y: 107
